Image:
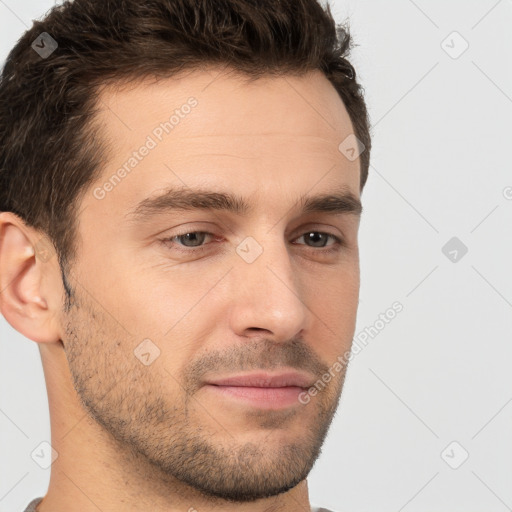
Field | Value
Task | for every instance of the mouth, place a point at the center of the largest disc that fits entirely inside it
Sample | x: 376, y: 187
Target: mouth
x: 262, y: 390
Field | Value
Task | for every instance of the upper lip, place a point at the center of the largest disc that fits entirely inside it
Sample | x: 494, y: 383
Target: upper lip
x: 266, y: 380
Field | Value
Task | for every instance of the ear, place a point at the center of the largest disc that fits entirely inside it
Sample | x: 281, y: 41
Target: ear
x: 30, y: 283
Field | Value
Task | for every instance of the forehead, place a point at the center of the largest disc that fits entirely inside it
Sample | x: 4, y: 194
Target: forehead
x: 211, y: 127
x: 228, y: 103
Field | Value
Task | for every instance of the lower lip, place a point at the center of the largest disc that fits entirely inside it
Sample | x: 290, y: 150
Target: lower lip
x: 265, y: 398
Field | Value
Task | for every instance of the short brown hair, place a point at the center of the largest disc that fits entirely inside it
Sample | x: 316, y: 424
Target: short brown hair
x: 50, y: 148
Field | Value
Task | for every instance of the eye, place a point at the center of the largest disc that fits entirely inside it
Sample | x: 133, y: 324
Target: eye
x: 193, y: 241
x: 321, y: 238
x: 196, y: 239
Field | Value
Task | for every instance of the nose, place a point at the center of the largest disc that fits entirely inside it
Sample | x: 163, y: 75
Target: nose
x: 266, y: 293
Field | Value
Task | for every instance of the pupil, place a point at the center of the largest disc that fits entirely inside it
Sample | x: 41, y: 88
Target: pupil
x: 314, y: 235
x: 190, y: 236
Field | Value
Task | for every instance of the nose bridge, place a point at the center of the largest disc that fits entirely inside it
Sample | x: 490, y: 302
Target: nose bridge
x: 268, y: 292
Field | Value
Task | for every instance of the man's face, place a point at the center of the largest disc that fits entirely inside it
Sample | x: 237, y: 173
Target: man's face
x: 267, y: 289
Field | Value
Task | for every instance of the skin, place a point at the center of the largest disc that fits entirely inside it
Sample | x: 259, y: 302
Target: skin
x: 134, y: 437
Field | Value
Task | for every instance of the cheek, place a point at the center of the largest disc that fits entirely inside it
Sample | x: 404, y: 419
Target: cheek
x: 336, y: 289
x: 176, y: 319
x: 151, y: 305
x: 336, y: 305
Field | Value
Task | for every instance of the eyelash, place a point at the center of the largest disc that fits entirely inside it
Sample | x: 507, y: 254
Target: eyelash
x: 169, y: 241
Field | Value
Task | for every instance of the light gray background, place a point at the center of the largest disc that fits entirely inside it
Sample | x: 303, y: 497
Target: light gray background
x: 440, y: 371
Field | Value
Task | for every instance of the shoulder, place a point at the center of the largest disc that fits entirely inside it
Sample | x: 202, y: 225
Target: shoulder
x: 33, y: 504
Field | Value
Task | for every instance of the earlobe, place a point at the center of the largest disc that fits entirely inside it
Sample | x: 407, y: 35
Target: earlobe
x: 23, y: 301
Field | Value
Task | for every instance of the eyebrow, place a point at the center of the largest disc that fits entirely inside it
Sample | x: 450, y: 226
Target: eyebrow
x: 339, y: 202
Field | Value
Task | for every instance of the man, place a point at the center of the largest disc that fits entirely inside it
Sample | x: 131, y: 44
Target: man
x: 180, y: 192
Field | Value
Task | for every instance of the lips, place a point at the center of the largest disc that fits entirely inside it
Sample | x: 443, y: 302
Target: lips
x: 266, y: 380
x: 261, y: 390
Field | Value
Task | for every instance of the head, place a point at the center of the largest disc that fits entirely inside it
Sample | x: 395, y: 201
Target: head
x: 180, y: 206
